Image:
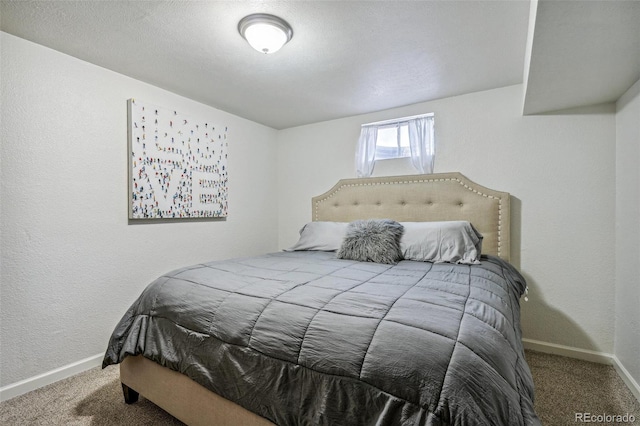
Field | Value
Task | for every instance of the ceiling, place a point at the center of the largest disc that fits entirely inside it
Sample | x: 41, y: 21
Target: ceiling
x: 349, y: 57
x: 583, y: 53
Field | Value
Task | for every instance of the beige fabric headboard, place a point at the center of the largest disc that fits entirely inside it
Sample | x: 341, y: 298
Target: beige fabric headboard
x: 421, y: 198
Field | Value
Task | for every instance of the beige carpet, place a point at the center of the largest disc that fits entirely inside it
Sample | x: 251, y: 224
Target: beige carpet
x: 90, y: 398
x: 564, y: 387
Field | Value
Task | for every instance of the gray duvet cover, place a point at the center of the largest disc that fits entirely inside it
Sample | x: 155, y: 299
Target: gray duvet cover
x: 303, y: 338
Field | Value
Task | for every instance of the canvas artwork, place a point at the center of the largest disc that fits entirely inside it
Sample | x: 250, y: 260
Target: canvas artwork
x: 177, y: 164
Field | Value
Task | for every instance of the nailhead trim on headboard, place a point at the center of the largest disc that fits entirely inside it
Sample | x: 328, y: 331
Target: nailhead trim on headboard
x: 426, y: 180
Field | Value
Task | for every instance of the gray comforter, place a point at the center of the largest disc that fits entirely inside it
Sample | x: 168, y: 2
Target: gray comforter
x: 302, y: 338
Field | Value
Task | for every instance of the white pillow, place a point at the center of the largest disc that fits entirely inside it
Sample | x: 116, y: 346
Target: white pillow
x: 437, y: 242
x: 321, y: 236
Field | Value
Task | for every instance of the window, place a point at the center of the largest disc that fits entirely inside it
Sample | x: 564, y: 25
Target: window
x: 393, y: 141
x: 399, y: 138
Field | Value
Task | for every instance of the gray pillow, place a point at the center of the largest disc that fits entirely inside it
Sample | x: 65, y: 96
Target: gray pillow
x: 373, y: 240
x: 321, y: 236
x: 453, y: 242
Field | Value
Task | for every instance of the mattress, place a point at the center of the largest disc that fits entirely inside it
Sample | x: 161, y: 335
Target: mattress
x: 305, y: 338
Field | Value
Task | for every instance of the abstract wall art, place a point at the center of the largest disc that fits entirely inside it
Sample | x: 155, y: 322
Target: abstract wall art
x: 177, y: 164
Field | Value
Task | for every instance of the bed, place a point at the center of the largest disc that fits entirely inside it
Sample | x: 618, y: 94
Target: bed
x: 305, y: 337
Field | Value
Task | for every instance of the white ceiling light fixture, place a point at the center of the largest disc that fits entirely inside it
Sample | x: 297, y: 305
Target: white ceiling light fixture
x: 265, y: 33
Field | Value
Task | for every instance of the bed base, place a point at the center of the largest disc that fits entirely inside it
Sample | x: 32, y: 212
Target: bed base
x: 180, y: 396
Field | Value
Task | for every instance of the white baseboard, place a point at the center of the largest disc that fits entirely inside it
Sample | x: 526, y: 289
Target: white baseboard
x: 627, y: 377
x: 33, y: 383
x: 568, y: 351
x: 586, y: 355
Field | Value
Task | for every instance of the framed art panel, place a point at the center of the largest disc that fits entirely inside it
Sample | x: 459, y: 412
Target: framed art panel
x: 177, y: 164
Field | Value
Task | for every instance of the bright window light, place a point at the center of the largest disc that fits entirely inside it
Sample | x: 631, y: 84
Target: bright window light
x: 393, y: 142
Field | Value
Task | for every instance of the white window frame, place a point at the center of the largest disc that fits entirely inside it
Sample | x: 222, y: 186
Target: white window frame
x: 422, y: 156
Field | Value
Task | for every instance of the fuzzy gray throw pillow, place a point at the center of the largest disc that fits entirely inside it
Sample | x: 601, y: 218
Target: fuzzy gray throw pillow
x: 372, y: 240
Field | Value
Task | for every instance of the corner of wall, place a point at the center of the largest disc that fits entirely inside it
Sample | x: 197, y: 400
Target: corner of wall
x: 627, y: 237
x: 533, y: 9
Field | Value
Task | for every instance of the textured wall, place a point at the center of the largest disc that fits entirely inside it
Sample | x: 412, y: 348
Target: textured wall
x: 560, y: 169
x: 71, y: 263
x: 627, y: 345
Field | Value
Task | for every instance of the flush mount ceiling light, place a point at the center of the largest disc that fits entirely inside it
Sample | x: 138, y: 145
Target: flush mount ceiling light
x: 265, y: 33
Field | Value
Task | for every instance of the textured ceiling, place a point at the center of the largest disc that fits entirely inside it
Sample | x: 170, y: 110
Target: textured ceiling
x: 349, y: 57
x: 345, y: 58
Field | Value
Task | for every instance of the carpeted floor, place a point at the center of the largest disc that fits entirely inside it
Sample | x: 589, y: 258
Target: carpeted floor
x: 564, y: 387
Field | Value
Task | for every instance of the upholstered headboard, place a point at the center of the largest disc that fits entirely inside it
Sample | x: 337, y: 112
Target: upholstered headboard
x: 421, y: 198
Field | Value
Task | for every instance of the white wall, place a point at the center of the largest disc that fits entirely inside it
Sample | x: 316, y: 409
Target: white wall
x: 71, y: 262
x: 560, y: 169
x: 627, y: 336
